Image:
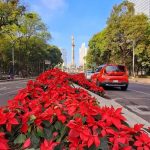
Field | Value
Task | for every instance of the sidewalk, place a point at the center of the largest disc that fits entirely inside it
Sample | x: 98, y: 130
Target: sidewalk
x: 140, y: 80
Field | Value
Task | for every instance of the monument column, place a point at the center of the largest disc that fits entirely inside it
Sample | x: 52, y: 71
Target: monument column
x: 73, y: 45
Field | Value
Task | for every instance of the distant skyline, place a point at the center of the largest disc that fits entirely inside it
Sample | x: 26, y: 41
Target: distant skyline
x: 82, y: 53
x: 64, y: 18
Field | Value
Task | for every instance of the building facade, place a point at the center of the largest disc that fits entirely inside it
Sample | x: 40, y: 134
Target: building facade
x: 64, y: 57
x: 82, y: 54
x: 141, y: 6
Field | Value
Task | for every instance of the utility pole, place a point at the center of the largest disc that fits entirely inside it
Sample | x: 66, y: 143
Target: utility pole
x: 133, y: 58
x: 13, y: 60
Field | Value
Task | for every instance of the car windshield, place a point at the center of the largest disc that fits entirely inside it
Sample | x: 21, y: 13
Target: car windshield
x: 115, y: 69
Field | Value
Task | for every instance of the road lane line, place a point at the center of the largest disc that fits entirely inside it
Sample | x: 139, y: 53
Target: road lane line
x: 14, y: 82
x: 3, y: 88
x: 10, y: 92
x: 114, y: 99
x: 139, y: 92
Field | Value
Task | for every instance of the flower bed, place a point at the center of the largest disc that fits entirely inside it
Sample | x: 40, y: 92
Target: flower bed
x: 82, y: 81
x: 51, y: 114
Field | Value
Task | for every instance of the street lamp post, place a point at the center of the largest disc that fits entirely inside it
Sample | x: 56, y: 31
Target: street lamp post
x: 13, y: 61
x: 133, y: 58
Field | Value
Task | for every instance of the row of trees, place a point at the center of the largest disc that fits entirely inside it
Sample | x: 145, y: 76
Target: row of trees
x: 124, y: 33
x: 24, y: 38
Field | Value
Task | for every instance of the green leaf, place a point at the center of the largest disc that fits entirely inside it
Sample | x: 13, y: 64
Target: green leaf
x: 48, y: 132
x: 83, y: 120
x: 58, y: 125
x: 58, y: 147
x: 76, y: 115
x: 20, y: 139
x: 31, y: 120
x: 35, y: 140
x: 92, y: 147
x: 46, y: 123
x: 32, y: 117
x: 40, y: 132
x: 63, y: 131
x: 104, y: 144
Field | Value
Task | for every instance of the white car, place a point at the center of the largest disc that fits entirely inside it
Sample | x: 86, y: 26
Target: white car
x: 88, y: 74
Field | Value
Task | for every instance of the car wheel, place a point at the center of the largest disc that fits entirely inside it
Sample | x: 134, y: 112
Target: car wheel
x: 124, y: 88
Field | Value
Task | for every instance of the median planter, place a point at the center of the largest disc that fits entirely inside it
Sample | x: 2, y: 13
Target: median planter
x: 50, y: 113
x: 81, y: 80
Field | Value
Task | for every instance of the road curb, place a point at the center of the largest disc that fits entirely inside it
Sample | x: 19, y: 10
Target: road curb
x: 132, y: 118
x: 138, y: 81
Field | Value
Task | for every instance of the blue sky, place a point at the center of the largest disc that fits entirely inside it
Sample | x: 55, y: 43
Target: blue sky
x: 64, y: 18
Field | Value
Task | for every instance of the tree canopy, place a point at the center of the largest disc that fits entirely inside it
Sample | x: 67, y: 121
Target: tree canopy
x: 115, y: 43
x: 24, y: 33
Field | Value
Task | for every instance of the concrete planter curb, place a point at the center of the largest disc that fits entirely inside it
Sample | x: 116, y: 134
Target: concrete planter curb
x: 132, y: 118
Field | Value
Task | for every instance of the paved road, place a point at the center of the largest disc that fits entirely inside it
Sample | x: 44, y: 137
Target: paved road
x: 135, y: 99
x: 9, y: 89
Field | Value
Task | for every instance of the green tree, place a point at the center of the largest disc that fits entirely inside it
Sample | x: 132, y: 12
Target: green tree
x: 124, y: 31
x: 98, y: 53
x: 10, y: 10
x: 54, y: 55
x: 31, y: 31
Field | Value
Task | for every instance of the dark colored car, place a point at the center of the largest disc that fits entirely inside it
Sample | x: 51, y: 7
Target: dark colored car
x: 112, y: 76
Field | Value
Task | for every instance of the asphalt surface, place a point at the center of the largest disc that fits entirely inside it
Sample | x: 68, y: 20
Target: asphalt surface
x: 9, y: 89
x: 136, y: 99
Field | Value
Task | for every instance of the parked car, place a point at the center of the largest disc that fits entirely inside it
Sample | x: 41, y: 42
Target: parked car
x: 88, y: 74
x: 111, y: 75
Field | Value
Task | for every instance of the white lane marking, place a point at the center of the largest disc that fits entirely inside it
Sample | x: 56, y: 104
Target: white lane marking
x: 138, y: 108
x: 139, y: 92
x: 14, y: 82
x: 10, y: 92
x: 18, y: 87
x: 3, y: 88
x: 114, y: 99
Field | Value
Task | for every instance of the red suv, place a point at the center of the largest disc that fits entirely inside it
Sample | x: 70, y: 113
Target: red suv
x: 112, y: 76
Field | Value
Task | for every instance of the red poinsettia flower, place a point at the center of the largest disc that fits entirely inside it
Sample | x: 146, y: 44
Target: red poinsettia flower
x: 110, y: 115
x: 81, y: 132
x: 94, y: 139
x: 27, y: 143
x: 3, y: 142
x: 8, y: 119
x: 48, y: 145
x: 142, y: 141
x: 119, y: 138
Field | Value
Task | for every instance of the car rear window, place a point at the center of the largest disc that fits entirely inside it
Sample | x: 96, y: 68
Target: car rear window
x: 115, y: 69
